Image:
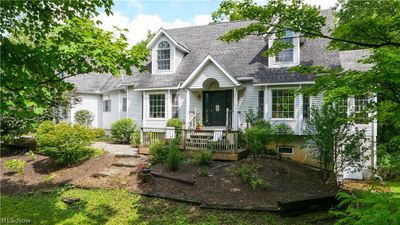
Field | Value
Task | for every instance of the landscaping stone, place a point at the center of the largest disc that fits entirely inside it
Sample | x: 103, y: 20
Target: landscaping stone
x: 117, y: 149
x: 70, y: 200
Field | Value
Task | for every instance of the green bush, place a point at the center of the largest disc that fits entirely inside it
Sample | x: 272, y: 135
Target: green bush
x: 178, y: 125
x: 98, y: 132
x: 203, y: 158
x: 203, y: 171
x: 258, y: 136
x: 249, y: 174
x: 31, y: 154
x: 389, y: 167
x: 136, y: 138
x: 84, y: 117
x: 123, y: 130
x: 15, y: 165
x: 174, y: 156
x: 367, y: 208
x: 158, y: 151
x: 64, y: 143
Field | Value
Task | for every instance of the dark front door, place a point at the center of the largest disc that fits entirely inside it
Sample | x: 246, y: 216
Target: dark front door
x: 215, y: 104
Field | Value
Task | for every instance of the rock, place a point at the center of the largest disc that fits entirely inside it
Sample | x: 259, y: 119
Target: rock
x: 70, y: 200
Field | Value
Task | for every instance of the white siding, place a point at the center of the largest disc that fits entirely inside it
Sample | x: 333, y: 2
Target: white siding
x: 196, y: 103
x: 135, y: 106
x: 114, y: 115
x: 92, y: 103
x: 248, y: 97
x: 211, y: 71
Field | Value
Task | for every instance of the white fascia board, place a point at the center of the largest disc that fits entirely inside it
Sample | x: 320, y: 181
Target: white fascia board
x: 285, y: 83
x: 202, y: 65
x: 161, y: 32
x: 159, y: 88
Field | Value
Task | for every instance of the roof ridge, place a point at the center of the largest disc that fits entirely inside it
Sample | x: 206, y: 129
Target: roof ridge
x: 209, y: 24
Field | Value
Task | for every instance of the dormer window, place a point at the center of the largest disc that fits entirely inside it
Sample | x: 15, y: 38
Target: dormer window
x: 286, y: 56
x: 163, y: 56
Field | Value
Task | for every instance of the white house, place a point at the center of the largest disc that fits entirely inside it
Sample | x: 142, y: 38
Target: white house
x: 196, y: 77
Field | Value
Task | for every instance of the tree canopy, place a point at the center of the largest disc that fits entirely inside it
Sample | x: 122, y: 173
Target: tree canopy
x: 368, y: 24
x: 45, y: 42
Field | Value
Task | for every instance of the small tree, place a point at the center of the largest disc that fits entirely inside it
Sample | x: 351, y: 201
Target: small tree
x: 84, y: 117
x: 123, y: 130
x: 335, y: 140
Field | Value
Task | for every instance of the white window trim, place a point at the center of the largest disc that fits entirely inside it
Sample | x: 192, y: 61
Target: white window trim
x: 294, y: 104
x: 296, y: 53
x: 166, y: 105
x: 172, y: 58
x: 104, y: 105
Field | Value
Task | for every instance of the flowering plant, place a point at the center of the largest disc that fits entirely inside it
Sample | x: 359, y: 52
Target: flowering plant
x: 144, y: 168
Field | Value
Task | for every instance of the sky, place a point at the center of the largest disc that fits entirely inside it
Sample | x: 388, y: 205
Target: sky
x: 140, y: 16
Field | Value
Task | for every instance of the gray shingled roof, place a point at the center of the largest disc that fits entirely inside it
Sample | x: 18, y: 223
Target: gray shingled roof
x: 350, y: 59
x: 240, y: 59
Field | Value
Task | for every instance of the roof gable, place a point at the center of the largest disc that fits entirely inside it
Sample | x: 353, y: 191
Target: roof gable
x: 192, y: 77
x: 161, y: 33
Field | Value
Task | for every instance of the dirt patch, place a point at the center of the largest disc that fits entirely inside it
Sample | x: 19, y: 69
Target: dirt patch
x: 287, y: 180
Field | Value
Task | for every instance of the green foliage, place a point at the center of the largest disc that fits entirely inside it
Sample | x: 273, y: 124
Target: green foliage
x: 31, y: 154
x: 65, y: 143
x: 49, y: 177
x: 249, y: 174
x: 52, y: 41
x: 136, y: 138
x: 203, y: 158
x: 367, y: 208
x: 123, y: 130
x: 158, y: 151
x: 98, y: 132
x: 174, y: 156
x: 175, y: 122
x: 389, y: 167
x: 203, y: 171
x: 334, y: 141
x: 84, y: 117
x: 258, y: 136
x: 15, y: 165
x: 253, y: 117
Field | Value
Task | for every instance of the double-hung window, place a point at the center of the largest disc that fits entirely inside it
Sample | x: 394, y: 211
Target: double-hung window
x: 107, y: 106
x: 360, y: 110
x: 157, y: 106
x: 124, y: 104
x: 261, y: 104
x: 306, y: 107
x: 283, y: 103
x: 163, y: 56
x: 175, y: 105
x: 286, y: 55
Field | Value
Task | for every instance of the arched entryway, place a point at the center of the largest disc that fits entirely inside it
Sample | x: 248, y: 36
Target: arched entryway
x: 217, y: 103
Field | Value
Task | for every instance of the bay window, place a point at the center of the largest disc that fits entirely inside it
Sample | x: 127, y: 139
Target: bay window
x: 283, y: 103
x: 157, y: 106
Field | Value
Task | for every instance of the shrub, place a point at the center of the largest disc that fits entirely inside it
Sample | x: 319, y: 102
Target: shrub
x: 136, y: 138
x: 369, y: 207
x: 98, y: 132
x: 174, y: 156
x: 123, y: 130
x: 177, y: 124
x: 31, y: 154
x: 203, y: 158
x: 389, y: 167
x: 158, y: 151
x: 84, y: 117
x: 258, y: 136
x: 203, y: 171
x: 15, y: 165
x: 64, y: 143
x: 249, y: 174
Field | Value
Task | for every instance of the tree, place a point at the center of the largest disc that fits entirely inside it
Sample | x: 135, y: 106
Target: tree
x: 335, y: 141
x: 45, y: 42
x: 367, y: 24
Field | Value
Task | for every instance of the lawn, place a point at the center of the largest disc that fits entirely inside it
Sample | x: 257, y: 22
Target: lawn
x: 122, y: 207
x: 394, y: 186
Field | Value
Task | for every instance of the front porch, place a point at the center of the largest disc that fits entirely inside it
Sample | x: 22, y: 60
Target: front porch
x: 223, y: 143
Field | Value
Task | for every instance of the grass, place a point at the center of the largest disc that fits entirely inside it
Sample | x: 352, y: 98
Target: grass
x: 121, y: 207
x: 394, y: 186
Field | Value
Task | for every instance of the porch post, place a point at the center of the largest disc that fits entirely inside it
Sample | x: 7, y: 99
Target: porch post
x: 187, y: 111
x: 235, y: 110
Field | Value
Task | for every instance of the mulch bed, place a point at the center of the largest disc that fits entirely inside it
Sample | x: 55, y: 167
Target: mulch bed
x: 288, y: 181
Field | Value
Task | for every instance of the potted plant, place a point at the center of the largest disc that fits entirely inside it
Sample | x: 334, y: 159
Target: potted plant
x: 144, y: 172
x: 198, y: 126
